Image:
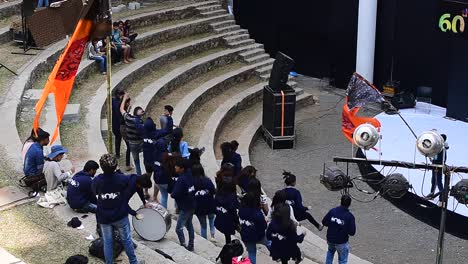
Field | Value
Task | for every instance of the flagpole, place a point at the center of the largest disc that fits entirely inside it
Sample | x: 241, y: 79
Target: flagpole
x: 109, y: 89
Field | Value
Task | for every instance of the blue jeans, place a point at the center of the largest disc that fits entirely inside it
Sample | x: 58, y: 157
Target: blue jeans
x: 185, y: 220
x: 43, y: 3
x: 203, y: 227
x: 164, y: 194
x: 136, y: 149
x: 123, y: 226
x: 252, y: 249
x: 102, y: 61
x: 343, y: 252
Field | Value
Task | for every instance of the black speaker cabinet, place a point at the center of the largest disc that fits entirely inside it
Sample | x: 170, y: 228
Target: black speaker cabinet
x: 280, y: 72
x: 279, y: 111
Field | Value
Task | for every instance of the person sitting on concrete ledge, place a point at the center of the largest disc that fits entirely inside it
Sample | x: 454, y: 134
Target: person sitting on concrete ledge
x: 29, y: 142
x: 98, y: 56
x: 80, y: 196
x: 54, y: 175
x: 34, y: 158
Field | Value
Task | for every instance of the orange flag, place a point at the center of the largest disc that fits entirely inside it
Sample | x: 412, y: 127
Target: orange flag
x: 359, y: 93
x: 351, y: 121
x: 95, y: 21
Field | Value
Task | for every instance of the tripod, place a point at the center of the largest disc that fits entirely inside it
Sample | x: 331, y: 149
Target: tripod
x: 24, y: 28
x: 8, y: 69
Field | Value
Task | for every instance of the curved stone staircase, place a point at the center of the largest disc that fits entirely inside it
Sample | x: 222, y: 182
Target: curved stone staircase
x: 192, y: 56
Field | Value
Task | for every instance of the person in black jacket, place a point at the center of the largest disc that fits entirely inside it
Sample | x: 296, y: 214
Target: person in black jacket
x: 204, y: 199
x: 80, y: 196
x: 341, y: 224
x: 184, y: 195
x: 294, y: 198
x: 283, y: 236
x: 227, y: 220
x: 253, y: 224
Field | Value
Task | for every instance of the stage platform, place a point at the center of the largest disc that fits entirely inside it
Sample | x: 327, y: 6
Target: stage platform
x: 398, y: 143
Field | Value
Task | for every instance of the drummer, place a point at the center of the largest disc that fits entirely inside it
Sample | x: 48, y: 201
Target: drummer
x: 136, y: 184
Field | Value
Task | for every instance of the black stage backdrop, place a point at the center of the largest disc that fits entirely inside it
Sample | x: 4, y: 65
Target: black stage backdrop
x: 319, y: 35
x: 422, y: 55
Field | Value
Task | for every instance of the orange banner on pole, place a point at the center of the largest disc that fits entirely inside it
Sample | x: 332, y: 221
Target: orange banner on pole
x: 351, y: 121
x: 62, y: 77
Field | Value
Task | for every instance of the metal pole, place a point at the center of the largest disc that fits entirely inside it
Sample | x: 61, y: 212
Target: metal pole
x: 443, y: 217
x: 109, y: 96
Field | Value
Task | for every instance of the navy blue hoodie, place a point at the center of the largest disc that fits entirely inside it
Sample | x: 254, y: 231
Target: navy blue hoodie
x: 341, y: 224
x: 184, y: 192
x: 235, y: 160
x: 204, y: 196
x: 253, y: 224
x: 112, y: 200
x: 294, y: 198
x: 226, y: 219
x: 283, y: 241
x: 151, y: 135
x: 79, y: 191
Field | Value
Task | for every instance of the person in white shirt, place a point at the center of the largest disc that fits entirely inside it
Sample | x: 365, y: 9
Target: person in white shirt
x: 53, y: 173
x: 94, y: 53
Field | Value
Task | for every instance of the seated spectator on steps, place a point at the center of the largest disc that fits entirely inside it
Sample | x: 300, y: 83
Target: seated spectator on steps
x: 119, y: 44
x: 34, y: 159
x: 53, y: 173
x: 29, y: 142
x: 127, y: 31
x: 98, y: 56
x: 42, y: 3
x: 80, y: 196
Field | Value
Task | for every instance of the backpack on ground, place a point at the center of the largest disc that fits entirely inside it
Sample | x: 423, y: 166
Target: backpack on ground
x: 229, y: 251
x: 96, y: 248
x: 35, y: 183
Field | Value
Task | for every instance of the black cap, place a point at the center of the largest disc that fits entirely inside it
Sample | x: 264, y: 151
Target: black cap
x: 77, y: 259
x: 74, y: 222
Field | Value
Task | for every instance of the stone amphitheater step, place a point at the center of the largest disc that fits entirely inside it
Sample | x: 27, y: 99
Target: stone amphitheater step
x: 214, y: 13
x: 258, y: 58
x: 163, y: 15
x: 227, y: 29
x: 236, y: 38
x: 223, y: 24
x: 241, y: 43
x: 183, y: 74
x: 252, y: 53
x: 205, y: 91
x: 265, y: 70
x: 174, y: 249
x: 209, y: 8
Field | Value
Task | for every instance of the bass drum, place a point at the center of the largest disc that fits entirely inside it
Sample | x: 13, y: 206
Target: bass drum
x: 155, y: 224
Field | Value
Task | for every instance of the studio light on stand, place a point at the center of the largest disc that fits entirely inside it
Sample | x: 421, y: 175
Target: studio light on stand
x: 430, y: 143
x: 395, y: 186
x: 366, y: 136
x: 334, y: 179
x: 460, y: 191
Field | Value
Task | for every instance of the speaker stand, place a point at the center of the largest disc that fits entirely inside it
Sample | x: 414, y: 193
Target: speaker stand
x: 8, y: 69
x: 25, y: 41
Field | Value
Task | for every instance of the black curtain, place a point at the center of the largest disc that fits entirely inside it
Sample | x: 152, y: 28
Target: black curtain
x: 319, y: 35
